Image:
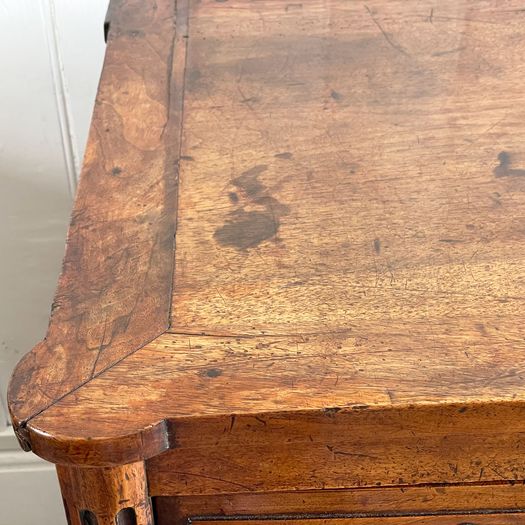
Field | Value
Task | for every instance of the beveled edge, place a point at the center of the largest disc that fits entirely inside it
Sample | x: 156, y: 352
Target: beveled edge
x: 159, y: 435
x: 64, y: 360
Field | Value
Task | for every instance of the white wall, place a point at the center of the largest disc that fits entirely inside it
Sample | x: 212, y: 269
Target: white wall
x: 51, y: 53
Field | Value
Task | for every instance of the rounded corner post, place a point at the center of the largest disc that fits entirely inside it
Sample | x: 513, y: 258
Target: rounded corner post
x: 106, y: 495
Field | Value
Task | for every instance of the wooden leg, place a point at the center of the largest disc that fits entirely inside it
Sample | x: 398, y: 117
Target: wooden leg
x: 106, y: 496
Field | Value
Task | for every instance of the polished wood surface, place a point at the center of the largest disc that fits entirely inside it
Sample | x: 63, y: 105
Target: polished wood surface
x: 296, y: 259
x: 450, y: 504
x: 455, y: 519
x: 353, y: 167
x: 113, y: 293
x: 106, y: 496
x: 379, y: 501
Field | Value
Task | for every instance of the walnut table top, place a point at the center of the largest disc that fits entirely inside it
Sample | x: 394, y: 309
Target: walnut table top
x: 300, y: 228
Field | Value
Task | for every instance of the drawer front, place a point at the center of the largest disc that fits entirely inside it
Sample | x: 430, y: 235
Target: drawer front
x: 502, y: 504
x: 443, y: 519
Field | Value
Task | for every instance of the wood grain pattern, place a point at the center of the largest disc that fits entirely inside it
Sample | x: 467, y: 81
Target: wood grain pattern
x: 345, y: 298
x: 361, y: 172
x: 113, y: 294
x: 111, y: 496
x: 503, y: 497
x: 198, y: 384
x: 456, y: 519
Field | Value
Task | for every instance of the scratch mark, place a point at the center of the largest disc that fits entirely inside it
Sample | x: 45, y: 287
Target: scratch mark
x: 448, y: 51
x: 214, y: 479
x: 393, y: 44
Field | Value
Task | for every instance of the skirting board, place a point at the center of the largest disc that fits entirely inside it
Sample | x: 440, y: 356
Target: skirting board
x: 29, y: 491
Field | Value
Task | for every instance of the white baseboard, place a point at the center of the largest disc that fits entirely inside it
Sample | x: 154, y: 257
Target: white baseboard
x: 29, y: 491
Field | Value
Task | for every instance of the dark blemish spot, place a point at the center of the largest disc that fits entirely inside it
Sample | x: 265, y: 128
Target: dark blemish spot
x: 377, y: 246
x: 504, y: 170
x: 273, y: 205
x: 481, y: 328
x: 353, y: 167
x: 451, y: 241
x: 332, y: 411
x: 186, y: 157
x: 462, y: 410
x: 285, y: 155
x: 495, y: 198
x: 248, y: 180
x: 247, y: 229
x: 470, y: 226
x: 116, y: 171
x: 213, y: 372
x: 504, y: 162
x: 289, y: 7
x: 335, y: 95
x: 360, y: 407
x: 192, y: 78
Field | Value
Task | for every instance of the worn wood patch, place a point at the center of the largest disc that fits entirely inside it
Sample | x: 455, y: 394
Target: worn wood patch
x: 113, y: 293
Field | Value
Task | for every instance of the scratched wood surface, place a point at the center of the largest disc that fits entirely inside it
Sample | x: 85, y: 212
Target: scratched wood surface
x: 109, y: 496
x: 347, y: 162
x: 210, y: 386
x: 113, y: 293
x: 349, y: 267
x: 378, y: 500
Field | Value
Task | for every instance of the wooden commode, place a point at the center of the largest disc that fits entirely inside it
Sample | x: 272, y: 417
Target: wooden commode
x: 294, y: 285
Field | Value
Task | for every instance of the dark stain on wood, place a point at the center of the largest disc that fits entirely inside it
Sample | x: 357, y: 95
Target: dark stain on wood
x: 234, y: 198
x: 248, y: 181
x: 504, y: 169
x: 335, y: 95
x: 247, y: 228
x: 284, y: 155
x: 213, y: 372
